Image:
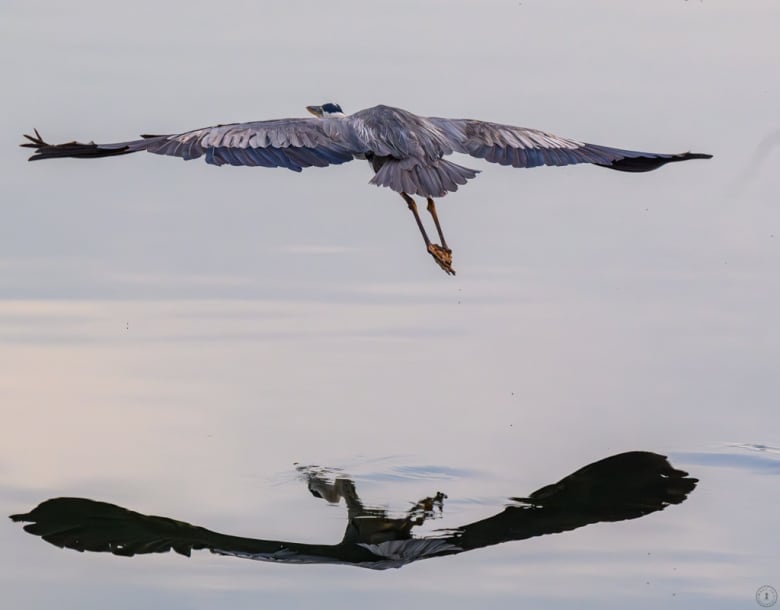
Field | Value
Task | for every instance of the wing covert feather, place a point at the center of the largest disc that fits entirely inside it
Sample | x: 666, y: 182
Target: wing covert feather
x: 290, y: 143
x: 524, y: 147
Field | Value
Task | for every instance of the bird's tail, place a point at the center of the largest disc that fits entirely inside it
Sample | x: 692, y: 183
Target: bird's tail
x: 432, y: 179
x: 90, y: 150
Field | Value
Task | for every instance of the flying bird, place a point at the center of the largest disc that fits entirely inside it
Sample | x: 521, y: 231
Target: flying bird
x: 405, y: 151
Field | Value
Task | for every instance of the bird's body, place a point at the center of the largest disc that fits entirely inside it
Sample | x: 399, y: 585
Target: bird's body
x: 406, y: 151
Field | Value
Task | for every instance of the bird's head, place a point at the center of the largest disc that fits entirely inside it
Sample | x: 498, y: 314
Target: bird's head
x: 326, y: 110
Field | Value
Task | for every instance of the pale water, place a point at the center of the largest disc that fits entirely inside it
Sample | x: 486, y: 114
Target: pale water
x: 175, y: 338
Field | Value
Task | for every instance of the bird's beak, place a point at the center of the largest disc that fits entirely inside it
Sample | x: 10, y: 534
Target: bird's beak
x: 315, y: 110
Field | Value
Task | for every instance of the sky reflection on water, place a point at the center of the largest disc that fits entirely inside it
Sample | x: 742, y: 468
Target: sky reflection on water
x: 231, y: 415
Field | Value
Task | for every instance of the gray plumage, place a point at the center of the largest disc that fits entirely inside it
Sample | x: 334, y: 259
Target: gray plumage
x: 406, y: 151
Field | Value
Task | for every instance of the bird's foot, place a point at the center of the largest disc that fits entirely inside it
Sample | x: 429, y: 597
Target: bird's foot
x: 443, y: 257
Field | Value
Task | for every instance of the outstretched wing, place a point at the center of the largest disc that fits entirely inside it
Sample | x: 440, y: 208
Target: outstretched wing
x: 290, y: 143
x: 624, y: 486
x: 523, y: 147
x: 88, y: 525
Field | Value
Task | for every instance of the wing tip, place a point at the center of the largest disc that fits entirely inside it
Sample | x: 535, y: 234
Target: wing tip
x: 44, y: 150
x: 36, y: 142
x: 644, y: 162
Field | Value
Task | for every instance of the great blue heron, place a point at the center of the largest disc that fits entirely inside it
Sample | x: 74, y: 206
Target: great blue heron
x: 406, y: 151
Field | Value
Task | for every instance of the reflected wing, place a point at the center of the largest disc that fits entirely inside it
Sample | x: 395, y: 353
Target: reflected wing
x: 624, y: 486
x: 87, y: 525
x: 290, y: 143
x: 522, y: 147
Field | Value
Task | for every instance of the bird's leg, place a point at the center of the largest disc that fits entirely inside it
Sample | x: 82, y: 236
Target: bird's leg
x: 442, y: 256
x: 426, y: 508
x: 443, y: 252
x: 413, y: 207
x: 432, y: 211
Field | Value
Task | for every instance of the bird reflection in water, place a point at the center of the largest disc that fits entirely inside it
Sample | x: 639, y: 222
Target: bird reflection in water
x: 620, y: 487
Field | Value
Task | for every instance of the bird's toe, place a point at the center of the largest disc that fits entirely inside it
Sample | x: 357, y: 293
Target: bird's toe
x: 443, y: 257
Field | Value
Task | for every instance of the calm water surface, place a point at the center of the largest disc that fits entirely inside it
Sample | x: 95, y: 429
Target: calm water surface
x: 198, y: 411
x: 174, y: 338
